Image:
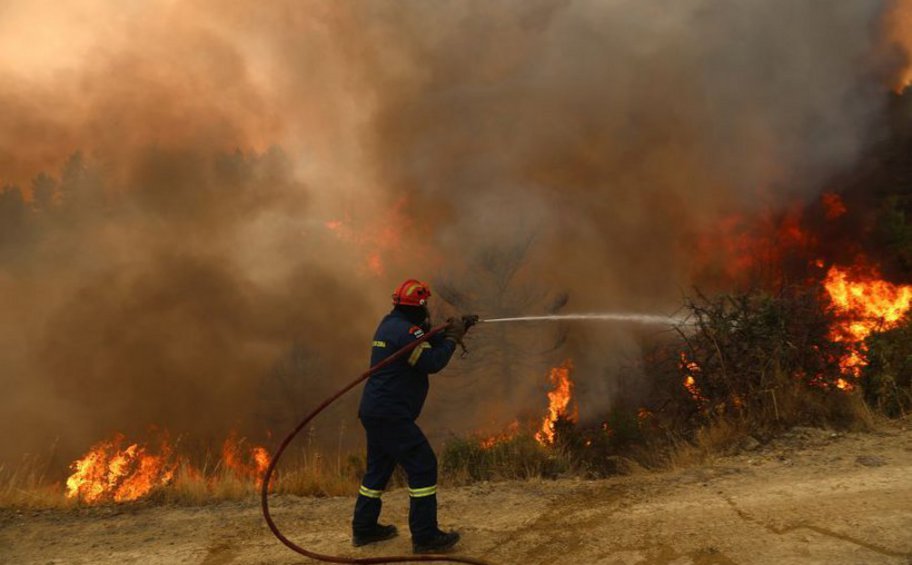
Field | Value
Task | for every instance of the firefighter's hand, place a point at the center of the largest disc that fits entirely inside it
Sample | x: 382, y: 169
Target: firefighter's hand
x: 455, y: 329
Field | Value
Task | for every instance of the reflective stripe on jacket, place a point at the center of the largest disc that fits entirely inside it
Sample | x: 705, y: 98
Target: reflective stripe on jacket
x: 399, y: 390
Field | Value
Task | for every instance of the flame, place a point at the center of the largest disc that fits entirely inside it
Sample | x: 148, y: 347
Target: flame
x: 691, y: 368
x: 248, y: 463
x: 558, y: 402
x: 379, y: 237
x: 864, y: 303
x: 509, y: 433
x: 740, y: 247
x: 370, y: 248
x: 109, y: 472
x: 261, y: 459
x: 115, y: 471
x: 691, y: 385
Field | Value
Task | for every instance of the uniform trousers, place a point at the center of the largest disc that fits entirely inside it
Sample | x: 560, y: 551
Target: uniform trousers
x: 392, y: 442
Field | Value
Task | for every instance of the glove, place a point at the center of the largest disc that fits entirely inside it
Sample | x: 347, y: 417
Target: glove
x: 455, y: 329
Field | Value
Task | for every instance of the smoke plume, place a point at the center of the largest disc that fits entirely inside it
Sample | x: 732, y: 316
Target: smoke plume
x: 194, y: 189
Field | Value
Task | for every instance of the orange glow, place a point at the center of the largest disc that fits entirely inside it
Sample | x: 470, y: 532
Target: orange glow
x: 115, y: 471
x: 371, y: 249
x: 249, y: 463
x: 378, y: 238
x: 559, y: 405
x: 833, y: 205
x: 261, y: 459
x: 899, y: 37
x: 691, y: 368
x: 508, y: 434
x: 375, y: 264
x: 864, y: 303
x: 691, y: 385
x: 739, y: 247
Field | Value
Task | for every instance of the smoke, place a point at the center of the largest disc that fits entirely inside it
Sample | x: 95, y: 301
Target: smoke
x: 173, y: 247
x: 613, y: 134
x: 254, y: 175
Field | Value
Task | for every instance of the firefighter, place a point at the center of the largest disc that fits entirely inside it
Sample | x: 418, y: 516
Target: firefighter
x: 390, y: 404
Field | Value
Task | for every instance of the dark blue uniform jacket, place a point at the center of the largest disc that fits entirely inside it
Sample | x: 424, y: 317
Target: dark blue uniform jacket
x: 398, y: 391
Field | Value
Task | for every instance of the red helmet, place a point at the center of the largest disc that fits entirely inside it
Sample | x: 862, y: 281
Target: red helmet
x: 412, y: 293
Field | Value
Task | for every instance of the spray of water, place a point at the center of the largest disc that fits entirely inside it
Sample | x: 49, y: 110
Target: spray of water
x: 611, y: 316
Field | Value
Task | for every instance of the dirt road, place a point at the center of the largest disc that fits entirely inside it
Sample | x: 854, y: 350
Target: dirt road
x: 809, y: 497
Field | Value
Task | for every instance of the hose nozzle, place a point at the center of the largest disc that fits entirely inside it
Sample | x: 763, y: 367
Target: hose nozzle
x: 470, y: 320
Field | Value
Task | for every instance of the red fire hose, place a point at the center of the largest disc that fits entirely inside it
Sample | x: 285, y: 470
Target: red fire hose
x: 264, y: 493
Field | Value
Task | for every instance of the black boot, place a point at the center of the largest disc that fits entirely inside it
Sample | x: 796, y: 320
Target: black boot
x: 379, y: 533
x: 441, y: 542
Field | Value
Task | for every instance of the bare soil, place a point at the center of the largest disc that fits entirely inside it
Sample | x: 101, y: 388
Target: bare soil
x: 811, y: 496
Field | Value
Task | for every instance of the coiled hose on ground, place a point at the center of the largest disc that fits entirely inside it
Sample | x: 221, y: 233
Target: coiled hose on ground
x: 264, y: 493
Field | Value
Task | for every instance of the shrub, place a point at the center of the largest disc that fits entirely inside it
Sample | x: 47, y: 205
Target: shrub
x: 768, y: 361
x: 887, y: 378
x: 464, y: 460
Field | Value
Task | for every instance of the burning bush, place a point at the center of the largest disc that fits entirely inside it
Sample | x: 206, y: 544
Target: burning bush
x: 747, y: 363
x: 766, y: 359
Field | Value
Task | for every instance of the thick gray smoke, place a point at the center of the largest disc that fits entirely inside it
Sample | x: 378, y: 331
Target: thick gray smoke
x: 258, y: 175
x: 611, y: 134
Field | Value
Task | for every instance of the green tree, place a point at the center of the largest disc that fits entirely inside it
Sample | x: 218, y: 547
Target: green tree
x: 887, y: 377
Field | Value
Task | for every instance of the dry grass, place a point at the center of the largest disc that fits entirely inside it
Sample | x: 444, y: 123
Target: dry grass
x: 464, y: 460
x: 26, y: 484
x: 761, y: 365
x: 304, y: 474
x: 710, y: 441
x: 797, y: 405
x: 305, y: 482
